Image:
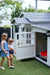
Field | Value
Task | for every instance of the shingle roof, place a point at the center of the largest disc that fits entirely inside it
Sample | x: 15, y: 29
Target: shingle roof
x: 21, y: 21
x: 37, y: 17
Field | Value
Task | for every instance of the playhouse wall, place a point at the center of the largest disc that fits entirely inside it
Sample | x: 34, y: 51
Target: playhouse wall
x: 25, y: 52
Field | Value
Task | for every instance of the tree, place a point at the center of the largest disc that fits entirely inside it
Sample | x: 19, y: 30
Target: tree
x: 15, y: 6
x: 17, y: 10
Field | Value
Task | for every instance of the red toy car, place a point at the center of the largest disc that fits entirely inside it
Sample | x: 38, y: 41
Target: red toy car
x: 43, y: 54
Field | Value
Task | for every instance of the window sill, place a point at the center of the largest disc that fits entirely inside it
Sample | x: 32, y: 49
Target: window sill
x: 25, y: 46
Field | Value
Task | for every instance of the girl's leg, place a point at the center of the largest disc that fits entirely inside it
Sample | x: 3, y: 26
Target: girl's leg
x: 3, y: 58
x: 11, y: 59
x: 8, y: 60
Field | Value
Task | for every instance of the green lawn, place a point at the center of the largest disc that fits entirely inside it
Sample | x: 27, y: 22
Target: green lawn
x: 26, y: 67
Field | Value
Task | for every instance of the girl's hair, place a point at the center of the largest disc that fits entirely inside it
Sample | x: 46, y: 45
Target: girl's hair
x: 3, y: 35
x: 10, y: 40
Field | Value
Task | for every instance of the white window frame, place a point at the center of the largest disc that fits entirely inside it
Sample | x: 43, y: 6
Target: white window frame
x: 24, y: 33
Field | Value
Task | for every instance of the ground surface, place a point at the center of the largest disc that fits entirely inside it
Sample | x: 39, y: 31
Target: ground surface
x: 26, y: 67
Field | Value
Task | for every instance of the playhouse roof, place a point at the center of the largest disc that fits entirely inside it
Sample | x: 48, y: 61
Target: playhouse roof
x: 35, y: 19
x: 21, y: 21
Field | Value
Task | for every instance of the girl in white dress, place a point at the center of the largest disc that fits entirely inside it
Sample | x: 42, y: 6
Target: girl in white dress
x: 11, y: 50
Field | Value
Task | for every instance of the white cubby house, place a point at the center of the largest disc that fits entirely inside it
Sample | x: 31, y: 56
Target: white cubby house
x: 31, y: 32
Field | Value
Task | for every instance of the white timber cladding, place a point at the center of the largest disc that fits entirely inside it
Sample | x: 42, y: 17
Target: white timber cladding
x: 25, y: 52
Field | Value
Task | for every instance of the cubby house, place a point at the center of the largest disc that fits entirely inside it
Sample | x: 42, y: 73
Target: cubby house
x: 31, y: 33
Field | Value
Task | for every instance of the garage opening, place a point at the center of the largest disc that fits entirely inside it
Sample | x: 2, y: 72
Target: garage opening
x: 41, y: 46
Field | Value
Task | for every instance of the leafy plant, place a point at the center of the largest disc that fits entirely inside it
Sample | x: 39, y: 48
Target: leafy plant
x: 7, y: 26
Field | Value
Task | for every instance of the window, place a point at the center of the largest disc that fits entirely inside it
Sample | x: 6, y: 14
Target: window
x: 22, y: 29
x: 17, y: 28
x: 25, y: 38
x: 17, y: 36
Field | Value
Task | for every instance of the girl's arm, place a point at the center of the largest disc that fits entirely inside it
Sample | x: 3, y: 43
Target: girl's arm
x: 3, y: 48
x: 9, y: 47
x: 12, y: 49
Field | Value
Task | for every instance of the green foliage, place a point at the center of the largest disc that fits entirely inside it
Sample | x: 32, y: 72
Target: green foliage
x: 7, y: 26
x: 0, y: 21
x: 7, y: 2
x: 40, y: 10
x: 14, y: 5
x: 43, y: 11
x: 29, y: 9
x: 49, y: 8
x: 17, y: 10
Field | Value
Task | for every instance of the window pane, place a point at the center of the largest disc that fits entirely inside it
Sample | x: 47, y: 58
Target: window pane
x: 29, y: 41
x: 16, y: 29
x: 27, y: 30
x: 30, y: 35
x: 27, y: 35
x: 22, y: 29
x: 22, y: 42
x: 17, y: 37
x: 18, y: 43
x: 22, y: 36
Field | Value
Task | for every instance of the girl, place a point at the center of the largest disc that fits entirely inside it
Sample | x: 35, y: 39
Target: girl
x: 5, y: 51
x: 11, y: 50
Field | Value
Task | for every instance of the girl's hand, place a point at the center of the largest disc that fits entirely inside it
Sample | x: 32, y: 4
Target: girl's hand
x: 6, y: 52
x: 9, y: 48
x: 14, y: 51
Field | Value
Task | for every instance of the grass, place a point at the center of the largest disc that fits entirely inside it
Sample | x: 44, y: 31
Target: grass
x: 26, y: 67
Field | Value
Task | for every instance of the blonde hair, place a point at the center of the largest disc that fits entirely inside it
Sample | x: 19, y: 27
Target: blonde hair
x: 10, y: 40
x: 3, y: 35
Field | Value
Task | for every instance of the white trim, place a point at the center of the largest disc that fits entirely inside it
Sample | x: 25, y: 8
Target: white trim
x: 24, y: 33
x: 45, y: 28
x: 28, y: 45
x: 11, y: 31
x: 26, y: 57
x: 40, y: 27
x: 24, y: 44
x: 48, y: 50
x: 42, y: 61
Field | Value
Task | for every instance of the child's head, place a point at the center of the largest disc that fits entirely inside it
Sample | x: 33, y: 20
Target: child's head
x: 4, y: 36
x: 10, y: 41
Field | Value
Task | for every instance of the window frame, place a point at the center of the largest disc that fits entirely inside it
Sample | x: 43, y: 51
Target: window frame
x: 24, y: 42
